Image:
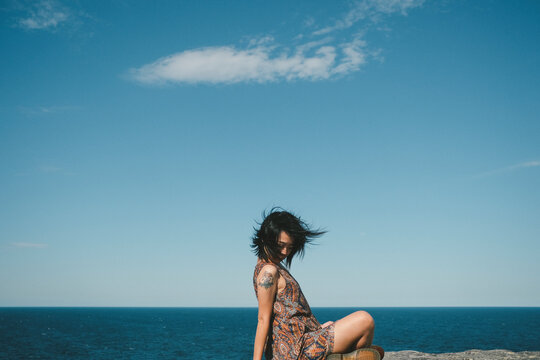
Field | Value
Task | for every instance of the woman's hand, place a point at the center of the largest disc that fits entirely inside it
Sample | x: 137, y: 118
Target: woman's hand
x: 328, y: 323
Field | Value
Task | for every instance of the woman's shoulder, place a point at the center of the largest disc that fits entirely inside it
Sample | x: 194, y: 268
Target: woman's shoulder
x: 267, y: 266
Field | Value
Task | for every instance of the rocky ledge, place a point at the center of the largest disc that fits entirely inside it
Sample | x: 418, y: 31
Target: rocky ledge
x: 466, y: 355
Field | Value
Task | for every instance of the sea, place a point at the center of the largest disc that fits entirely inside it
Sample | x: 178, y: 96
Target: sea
x: 228, y: 333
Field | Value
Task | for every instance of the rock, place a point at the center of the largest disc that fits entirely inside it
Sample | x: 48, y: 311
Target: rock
x: 465, y: 355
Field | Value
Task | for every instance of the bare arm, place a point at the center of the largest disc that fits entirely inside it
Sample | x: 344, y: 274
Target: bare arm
x: 266, y: 292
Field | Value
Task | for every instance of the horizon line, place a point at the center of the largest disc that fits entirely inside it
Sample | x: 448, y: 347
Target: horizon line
x: 255, y: 307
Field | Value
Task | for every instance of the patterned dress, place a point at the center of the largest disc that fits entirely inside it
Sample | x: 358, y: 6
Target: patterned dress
x: 296, y: 334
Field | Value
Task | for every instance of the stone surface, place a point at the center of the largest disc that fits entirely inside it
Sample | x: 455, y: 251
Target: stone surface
x: 466, y: 355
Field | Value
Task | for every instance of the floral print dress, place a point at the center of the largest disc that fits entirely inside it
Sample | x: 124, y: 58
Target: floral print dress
x: 296, y: 334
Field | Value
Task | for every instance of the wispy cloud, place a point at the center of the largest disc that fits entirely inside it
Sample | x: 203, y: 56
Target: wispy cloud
x: 46, y: 110
x: 262, y: 63
x: 28, y: 245
x: 371, y: 10
x: 52, y: 169
x: 49, y: 169
x: 522, y: 165
x: 45, y: 14
x: 267, y: 61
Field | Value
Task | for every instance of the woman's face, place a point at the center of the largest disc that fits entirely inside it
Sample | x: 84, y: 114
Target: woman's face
x: 285, y: 245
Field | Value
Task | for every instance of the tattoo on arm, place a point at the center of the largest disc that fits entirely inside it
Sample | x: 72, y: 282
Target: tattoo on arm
x: 267, y: 280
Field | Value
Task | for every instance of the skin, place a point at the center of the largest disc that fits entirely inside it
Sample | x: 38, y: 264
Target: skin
x: 352, y: 332
x: 269, y: 283
x: 266, y: 291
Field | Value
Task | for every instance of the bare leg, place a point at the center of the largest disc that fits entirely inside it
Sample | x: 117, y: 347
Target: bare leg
x: 353, y: 332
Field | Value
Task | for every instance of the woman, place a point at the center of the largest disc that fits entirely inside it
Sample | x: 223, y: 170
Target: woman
x: 286, y: 327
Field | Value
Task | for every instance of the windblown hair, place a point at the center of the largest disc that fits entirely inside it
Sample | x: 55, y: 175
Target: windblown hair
x: 265, y: 240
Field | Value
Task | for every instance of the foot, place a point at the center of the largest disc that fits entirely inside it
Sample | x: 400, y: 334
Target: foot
x: 379, y: 349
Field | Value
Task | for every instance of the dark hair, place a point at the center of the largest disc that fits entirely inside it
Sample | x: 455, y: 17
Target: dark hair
x: 265, y: 240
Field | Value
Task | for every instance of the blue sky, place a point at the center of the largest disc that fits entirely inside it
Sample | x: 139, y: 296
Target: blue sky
x: 140, y: 142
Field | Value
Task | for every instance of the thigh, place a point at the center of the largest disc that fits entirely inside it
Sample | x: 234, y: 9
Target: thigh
x: 350, y: 329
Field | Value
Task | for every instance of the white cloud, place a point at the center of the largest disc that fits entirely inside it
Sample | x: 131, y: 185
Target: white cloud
x: 45, y: 14
x: 46, y: 110
x: 53, y: 170
x: 262, y: 63
x: 263, y: 60
x: 391, y: 6
x: 372, y: 10
x: 49, y: 169
x: 354, y: 57
x: 527, y: 164
x: 309, y: 21
x: 28, y: 245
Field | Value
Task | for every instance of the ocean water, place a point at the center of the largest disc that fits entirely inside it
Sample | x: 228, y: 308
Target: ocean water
x: 227, y: 333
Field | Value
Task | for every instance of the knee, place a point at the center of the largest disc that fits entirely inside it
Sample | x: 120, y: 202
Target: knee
x: 365, y: 320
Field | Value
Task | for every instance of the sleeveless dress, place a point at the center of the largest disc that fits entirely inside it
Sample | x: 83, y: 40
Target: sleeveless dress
x: 296, y: 334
